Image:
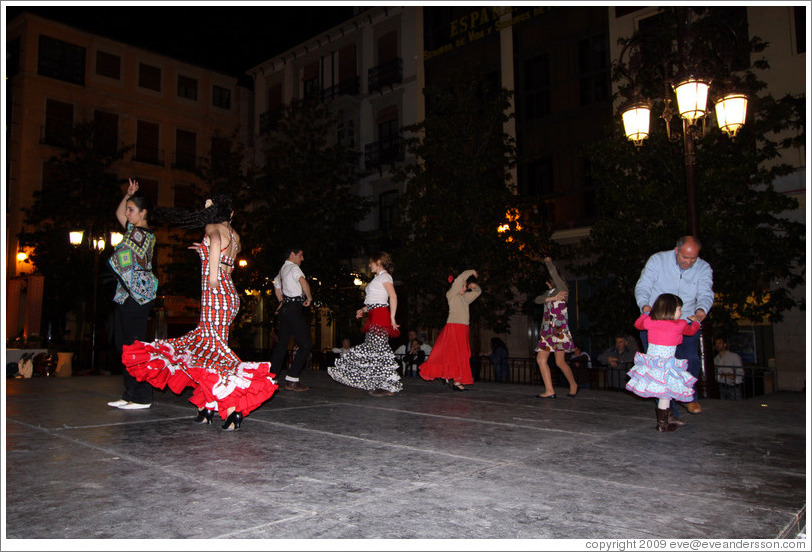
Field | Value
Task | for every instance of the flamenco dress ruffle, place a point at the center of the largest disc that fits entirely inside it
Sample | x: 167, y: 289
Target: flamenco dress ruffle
x: 658, y: 374
x: 202, y: 359
x: 372, y: 364
x: 450, y: 356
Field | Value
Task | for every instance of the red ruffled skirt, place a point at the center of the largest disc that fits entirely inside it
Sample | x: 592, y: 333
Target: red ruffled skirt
x: 243, y: 386
x: 380, y: 318
x: 450, y: 356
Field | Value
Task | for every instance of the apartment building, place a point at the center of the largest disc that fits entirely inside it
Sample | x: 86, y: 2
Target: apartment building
x: 171, y: 112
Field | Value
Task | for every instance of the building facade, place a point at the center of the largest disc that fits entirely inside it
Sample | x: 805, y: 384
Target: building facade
x: 170, y: 112
x: 368, y: 70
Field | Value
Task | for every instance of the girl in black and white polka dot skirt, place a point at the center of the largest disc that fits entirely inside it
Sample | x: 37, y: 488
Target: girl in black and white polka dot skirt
x: 372, y: 365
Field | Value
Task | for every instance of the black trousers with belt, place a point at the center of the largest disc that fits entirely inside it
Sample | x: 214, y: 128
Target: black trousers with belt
x: 291, y: 323
x: 131, y: 324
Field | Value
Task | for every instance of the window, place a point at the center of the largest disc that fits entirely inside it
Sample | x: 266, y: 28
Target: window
x: 537, y: 178
x: 146, y: 143
x: 800, y: 29
x: 536, y: 97
x: 346, y: 133
x: 61, y: 60
x: 105, y: 137
x: 185, y: 150
x: 58, y: 123
x: 387, y: 47
x: 149, y: 77
x: 310, y: 80
x: 347, y: 66
x: 108, y: 65
x: 220, y: 153
x: 187, y: 87
x: 221, y: 97
x: 13, y: 58
x: 387, y: 210
x: 593, y: 69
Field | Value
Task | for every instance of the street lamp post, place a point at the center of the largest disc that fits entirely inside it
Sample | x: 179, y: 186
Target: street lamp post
x: 97, y: 244
x: 691, y: 88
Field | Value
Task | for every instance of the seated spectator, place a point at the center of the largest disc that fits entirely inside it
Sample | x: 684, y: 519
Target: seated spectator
x: 729, y: 371
x: 499, y: 360
x: 425, y: 347
x: 618, y: 359
x: 413, y: 358
x: 618, y: 356
x: 345, y: 347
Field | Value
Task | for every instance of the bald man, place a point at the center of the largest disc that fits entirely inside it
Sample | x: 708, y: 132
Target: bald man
x: 679, y: 271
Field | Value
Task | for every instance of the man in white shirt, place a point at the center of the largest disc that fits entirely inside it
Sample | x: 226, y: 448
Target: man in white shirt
x: 729, y: 371
x: 400, y: 352
x: 293, y: 292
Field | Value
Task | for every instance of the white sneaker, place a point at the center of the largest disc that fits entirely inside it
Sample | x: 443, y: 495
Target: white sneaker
x: 117, y: 404
x: 134, y: 406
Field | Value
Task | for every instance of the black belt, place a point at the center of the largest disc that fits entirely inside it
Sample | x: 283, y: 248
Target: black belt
x: 300, y: 299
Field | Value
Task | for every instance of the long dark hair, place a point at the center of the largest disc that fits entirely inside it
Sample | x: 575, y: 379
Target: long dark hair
x: 219, y: 210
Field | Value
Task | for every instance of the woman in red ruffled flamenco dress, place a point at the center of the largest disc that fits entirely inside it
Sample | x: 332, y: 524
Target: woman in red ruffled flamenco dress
x: 450, y: 357
x: 202, y: 358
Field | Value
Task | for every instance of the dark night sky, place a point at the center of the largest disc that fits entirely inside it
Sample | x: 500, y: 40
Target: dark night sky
x: 227, y: 38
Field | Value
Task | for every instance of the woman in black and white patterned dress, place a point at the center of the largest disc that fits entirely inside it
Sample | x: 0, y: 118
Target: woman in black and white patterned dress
x: 372, y: 365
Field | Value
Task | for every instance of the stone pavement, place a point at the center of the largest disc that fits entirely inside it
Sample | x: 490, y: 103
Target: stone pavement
x: 493, y: 462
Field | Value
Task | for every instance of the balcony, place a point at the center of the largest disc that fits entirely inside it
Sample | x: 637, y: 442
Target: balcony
x: 387, y: 151
x: 386, y: 74
x: 269, y: 120
x: 348, y: 87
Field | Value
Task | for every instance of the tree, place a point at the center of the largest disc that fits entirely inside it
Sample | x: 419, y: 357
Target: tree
x: 306, y: 200
x: 81, y: 192
x: 460, y: 211
x: 755, y: 251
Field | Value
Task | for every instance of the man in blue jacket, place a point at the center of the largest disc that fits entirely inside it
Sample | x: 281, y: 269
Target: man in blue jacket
x: 684, y: 274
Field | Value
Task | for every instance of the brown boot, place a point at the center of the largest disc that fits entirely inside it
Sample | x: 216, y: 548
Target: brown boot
x: 673, y: 420
x: 662, y: 421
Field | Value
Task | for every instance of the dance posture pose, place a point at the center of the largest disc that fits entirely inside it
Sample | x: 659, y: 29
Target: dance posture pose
x: 657, y: 373
x: 372, y: 365
x: 202, y: 358
x: 131, y: 262
x: 451, y: 355
x: 554, y: 336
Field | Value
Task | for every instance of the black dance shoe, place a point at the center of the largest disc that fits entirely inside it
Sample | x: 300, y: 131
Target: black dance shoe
x: 234, y: 419
x: 204, y: 416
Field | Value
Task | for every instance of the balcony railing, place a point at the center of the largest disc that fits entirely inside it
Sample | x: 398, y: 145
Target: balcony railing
x: 386, y: 74
x: 269, y: 120
x: 348, y: 87
x: 386, y: 151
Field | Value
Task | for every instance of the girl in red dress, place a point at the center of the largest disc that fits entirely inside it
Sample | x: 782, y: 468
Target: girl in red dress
x: 450, y: 358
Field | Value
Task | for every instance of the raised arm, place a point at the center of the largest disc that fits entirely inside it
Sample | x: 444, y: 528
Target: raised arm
x: 458, y: 283
x: 558, y: 282
x: 121, y: 210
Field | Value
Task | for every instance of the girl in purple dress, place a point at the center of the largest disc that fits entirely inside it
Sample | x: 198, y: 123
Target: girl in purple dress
x: 554, y: 336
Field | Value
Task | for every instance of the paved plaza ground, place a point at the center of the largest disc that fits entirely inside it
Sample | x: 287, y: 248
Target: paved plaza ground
x: 493, y: 462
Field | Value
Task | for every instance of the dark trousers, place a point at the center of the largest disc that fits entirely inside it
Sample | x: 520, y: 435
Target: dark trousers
x: 291, y: 323
x: 130, y: 323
